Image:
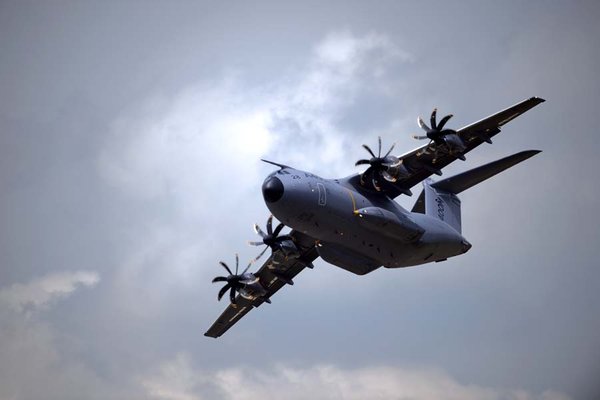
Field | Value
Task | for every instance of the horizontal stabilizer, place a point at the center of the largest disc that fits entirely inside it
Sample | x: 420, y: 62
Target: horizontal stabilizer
x: 461, y: 182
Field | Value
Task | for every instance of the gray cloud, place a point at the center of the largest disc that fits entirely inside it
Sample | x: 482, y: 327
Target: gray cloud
x: 34, y: 365
x: 42, y: 291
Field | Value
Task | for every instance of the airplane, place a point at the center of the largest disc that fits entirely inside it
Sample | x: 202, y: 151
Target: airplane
x: 354, y: 223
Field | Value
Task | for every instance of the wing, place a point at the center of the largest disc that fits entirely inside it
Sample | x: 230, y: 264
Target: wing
x: 275, y: 273
x: 420, y: 162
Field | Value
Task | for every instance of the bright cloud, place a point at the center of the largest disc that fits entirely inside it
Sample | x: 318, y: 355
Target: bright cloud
x: 34, y: 366
x: 185, y: 146
x: 178, y: 380
x: 41, y: 292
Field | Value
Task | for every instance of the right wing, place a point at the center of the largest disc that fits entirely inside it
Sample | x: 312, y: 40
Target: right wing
x: 275, y: 273
x: 420, y: 162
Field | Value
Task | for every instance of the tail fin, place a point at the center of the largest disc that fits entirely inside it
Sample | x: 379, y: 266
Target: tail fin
x: 439, y: 199
x: 441, y: 204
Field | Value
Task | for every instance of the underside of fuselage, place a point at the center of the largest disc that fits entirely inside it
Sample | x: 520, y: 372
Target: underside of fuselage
x: 355, y: 229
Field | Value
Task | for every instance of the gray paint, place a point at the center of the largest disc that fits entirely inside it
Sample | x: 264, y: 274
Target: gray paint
x: 423, y: 238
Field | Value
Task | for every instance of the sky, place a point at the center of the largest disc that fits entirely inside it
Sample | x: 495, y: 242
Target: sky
x: 130, y: 142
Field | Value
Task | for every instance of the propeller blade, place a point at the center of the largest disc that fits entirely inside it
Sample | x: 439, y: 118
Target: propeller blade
x: 379, y: 140
x: 432, y: 119
x: 260, y: 255
x: 255, y: 243
x: 232, y: 295
x: 246, y: 269
x: 420, y: 137
x: 278, y: 229
x: 390, y: 150
x: 423, y: 125
x: 443, y: 121
x: 237, y: 263
x: 223, y: 290
x: 369, y: 150
x: 270, y: 225
x: 362, y: 162
x: 259, y: 231
x: 226, y: 267
x: 219, y: 279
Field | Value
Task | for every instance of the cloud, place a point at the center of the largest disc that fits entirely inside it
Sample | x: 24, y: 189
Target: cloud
x: 188, y: 147
x: 307, y: 116
x: 34, y: 367
x: 34, y: 364
x: 177, y: 380
x: 43, y: 291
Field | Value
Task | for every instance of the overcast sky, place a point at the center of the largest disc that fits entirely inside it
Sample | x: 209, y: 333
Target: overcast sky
x: 130, y: 139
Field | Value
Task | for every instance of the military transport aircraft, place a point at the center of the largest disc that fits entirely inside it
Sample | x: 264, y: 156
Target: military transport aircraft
x: 355, y: 224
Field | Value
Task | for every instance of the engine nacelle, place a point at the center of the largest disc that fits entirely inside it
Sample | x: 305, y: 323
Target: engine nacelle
x: 455, y: 143
x: 396, y: 171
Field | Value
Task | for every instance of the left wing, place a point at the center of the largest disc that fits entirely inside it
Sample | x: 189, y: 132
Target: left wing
x: 422, y: 163
x: 275, y: 273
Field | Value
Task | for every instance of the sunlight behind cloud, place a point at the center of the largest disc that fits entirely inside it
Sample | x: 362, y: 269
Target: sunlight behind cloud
x: 187, y: 150
x: 252, y: 136
x: 173, y: 145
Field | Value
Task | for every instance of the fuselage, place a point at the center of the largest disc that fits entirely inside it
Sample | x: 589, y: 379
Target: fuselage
x: 339, y: 213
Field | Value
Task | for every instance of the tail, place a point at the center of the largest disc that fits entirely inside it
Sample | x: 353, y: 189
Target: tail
x: 439, y: 200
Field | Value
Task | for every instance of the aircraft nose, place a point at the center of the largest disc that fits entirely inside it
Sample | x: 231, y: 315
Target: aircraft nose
x: 466, y: 246
x: 272, y: 189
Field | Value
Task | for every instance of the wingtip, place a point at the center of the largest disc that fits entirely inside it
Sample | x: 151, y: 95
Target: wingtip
x: 532, y: 152
x: 525, y: 154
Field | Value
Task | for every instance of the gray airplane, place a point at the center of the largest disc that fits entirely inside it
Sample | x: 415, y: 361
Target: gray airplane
x: 354, y: 222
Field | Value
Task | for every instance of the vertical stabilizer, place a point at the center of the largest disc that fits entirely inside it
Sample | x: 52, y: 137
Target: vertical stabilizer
x: 438, y: 199
x: 442, y: 205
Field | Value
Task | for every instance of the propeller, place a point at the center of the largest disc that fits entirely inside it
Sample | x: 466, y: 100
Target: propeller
x: 437, y: 132
x: 440, y: 136
x: 270, y: 238
x: 234, y: 281
x: 388, y: 166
